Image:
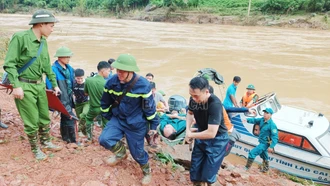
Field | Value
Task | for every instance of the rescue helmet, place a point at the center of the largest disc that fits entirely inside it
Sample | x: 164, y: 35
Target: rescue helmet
x: 63, y: 52
x: 250, y: 87
x: 126, y: 62
x: 42, y: 16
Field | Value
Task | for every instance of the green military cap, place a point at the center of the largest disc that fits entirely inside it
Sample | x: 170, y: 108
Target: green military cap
x: 250, y: 87
x: 42, y: 16
x: 63, y: 52
x: 162, y: 92
x: 126, y: 62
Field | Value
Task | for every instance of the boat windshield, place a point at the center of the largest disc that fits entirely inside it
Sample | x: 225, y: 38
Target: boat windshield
x: 268, y: 104
x: 279, y: 106
x: 324, y: 140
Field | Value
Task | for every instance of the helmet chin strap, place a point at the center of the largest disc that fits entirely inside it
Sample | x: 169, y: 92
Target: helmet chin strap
x: 126, y: 79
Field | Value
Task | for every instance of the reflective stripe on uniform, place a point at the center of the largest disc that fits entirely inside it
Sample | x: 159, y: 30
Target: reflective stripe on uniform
x: 104, y: 110
x: 139, y: 95
x: 152, y: 116
x: 128, y: 94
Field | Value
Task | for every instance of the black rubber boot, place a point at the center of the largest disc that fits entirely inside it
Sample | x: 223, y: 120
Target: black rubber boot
x: 65, y: 133
x: 72, y: 134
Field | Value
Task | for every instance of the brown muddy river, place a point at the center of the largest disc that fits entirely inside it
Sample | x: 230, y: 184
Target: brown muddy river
x: 295, y: 63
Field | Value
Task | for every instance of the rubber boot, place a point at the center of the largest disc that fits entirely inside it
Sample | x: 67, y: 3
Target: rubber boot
x: 72, y: 134
x: 99, y: 121
x: 119, y: 152
x: 266, y: 167
x: 213, y: 184
x: 249, y: 163
x: 46, y: 144
x: 146, y: 174
x: 89, y: 132
x: 198, y: 183
x: 82, y: 125
x: 65, y: 133
x: 261, y: 167
x: 38, y: 154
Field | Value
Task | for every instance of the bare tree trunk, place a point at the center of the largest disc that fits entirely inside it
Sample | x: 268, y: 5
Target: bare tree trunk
x: 249, y: 8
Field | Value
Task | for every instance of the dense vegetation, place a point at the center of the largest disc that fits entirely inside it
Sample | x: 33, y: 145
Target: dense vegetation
x: 264, y: 6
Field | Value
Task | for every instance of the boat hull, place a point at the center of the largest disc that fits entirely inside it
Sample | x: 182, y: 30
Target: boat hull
x: 286, y: 165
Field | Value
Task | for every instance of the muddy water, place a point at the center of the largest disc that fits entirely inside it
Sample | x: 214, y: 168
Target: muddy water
x: 294, y: 63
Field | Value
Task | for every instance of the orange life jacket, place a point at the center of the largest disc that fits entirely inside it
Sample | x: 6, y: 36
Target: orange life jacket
x: 246, y: 99
x: 226, y: 119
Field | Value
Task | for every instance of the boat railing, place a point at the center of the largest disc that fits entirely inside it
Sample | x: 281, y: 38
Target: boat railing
x: 265, y: 97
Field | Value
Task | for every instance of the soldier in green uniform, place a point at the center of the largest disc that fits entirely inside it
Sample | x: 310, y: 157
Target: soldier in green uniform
x: 94, y: 88
x: 28, y: 86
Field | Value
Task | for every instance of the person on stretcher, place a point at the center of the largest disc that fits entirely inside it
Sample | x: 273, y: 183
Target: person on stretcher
x: 172, y: 125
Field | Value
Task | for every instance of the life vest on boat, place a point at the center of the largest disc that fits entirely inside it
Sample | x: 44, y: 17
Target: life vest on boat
x: 246, y: 99
x: 226, y: 119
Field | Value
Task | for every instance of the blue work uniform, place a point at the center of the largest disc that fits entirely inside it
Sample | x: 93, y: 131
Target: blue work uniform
x: 65, y: 81
x: 231, y: 91
x: 268, y: 137
x: 130, y: 117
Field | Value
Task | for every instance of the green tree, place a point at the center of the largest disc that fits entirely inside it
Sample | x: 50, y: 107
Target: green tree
x: 41, y: 4
x: 63, y: 5
x: 81, y: 7
x: 122, y: 5
x: 282, y: 6
x: 327, y: 5
x: 29, y: 2
x: 5, y: 4
x: 316, y: 5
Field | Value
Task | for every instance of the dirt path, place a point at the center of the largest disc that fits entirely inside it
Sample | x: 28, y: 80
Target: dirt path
x: 81, y: 166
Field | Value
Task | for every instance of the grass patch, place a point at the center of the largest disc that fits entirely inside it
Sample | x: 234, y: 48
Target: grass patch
x: 300, y: 180
x: 166, y: 159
